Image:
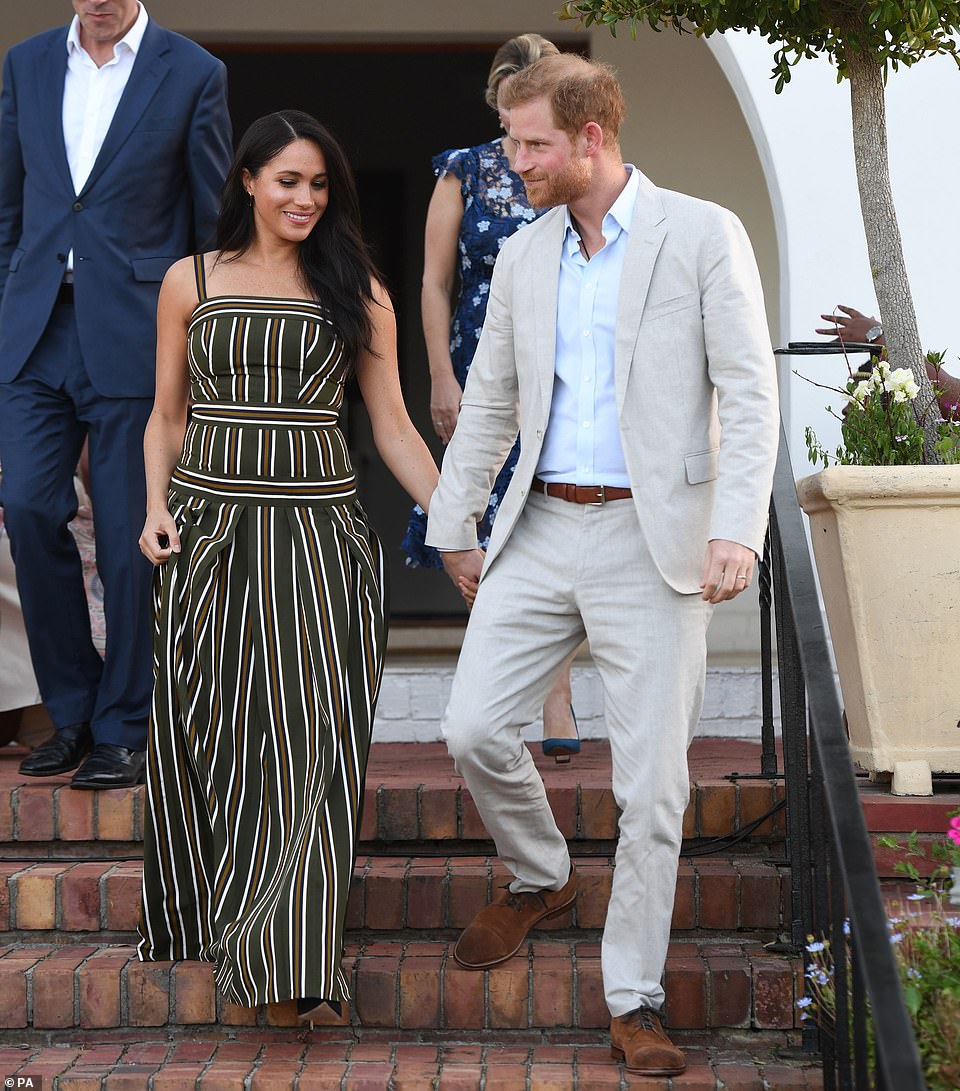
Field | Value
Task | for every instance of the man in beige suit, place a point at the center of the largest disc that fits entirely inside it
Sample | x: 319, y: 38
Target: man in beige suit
x: 626, y: 335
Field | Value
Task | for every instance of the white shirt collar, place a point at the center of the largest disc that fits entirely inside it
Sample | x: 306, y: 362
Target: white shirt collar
x: 132, y: 39
x: 619, y: 216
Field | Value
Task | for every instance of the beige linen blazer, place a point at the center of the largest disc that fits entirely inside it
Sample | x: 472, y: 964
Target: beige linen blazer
x: 695, y: 385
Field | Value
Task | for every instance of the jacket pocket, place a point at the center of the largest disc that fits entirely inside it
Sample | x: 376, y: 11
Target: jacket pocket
x: 15, y: 259
x: 151, y: 269
x: 702, y: 466
x: 660, y: 308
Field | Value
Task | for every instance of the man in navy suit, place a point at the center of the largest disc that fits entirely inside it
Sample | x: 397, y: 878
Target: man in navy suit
x: 114, y: 142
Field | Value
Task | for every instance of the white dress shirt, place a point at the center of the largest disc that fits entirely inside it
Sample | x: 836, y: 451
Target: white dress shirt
x: 91, y: 96
x: 582, y: 441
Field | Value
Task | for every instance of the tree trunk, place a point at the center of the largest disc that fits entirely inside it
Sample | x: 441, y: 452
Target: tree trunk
x: 884, y: 245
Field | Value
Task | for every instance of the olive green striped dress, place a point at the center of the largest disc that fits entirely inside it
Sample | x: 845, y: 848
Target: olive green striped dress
x: 271, y: 630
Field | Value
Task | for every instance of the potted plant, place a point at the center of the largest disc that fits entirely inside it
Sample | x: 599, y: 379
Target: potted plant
x: 885, y: 529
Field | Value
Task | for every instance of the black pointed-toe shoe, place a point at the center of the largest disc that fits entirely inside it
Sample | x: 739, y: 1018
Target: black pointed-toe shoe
x: 110, y: 766
x: 60, y: 754
x: 313, y: 1009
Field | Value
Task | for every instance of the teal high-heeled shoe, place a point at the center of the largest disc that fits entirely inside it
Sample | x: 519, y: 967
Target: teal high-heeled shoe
x: 562, y: 750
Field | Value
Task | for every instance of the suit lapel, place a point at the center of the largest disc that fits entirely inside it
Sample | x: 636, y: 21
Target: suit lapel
x: 647, y: 232
x: 546, y: 278
x: 149, y: 71
x: 52, y: 77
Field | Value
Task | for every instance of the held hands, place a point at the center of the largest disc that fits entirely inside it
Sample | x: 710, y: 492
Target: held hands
x: 445, y: 394
x: 727, y: 570
x: 159, y: 538
x: 463, y: 567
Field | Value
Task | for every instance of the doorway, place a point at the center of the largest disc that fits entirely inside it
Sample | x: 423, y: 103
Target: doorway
x: 393, y: 108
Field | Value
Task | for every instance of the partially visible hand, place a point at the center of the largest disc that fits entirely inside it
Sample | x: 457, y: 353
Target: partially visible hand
x: 727, y: 570
x: 468, y: 588
x: 464, y: 567
x: 159, y: 538
x: 445, y: 394
x: 851, y: 327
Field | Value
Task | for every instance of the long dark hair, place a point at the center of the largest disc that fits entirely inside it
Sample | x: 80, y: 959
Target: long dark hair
x: 334, y: 259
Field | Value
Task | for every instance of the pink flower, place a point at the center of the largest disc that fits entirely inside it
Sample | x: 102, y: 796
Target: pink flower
x: 954, y: 836
x: 955, y: 822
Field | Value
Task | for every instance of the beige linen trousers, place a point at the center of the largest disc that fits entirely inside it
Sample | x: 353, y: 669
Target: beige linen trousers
x: 698, y: 416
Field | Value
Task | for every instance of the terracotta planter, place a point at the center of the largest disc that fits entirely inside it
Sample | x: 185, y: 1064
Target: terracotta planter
x: 887, y: 545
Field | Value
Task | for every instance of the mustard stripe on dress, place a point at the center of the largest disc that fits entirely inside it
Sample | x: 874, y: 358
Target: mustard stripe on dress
x: 271, y: 628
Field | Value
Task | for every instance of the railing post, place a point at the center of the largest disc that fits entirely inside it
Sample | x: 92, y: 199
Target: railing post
x: 768, y: 742
x: 793, y: 721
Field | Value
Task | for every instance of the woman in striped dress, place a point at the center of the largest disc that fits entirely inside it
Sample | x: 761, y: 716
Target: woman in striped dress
x: 271, y: 613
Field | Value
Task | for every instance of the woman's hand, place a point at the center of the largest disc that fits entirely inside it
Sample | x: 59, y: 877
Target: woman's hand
x: 851, y: 327
x: 439, y: 277
x: 468, y: 588
x: 445, y: 395
x: 159, y: 538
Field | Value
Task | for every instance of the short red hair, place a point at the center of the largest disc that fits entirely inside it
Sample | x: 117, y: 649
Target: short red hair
x: 578, y: 90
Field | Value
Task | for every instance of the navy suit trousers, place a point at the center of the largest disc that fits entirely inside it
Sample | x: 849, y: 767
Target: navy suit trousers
x: 45, y: 414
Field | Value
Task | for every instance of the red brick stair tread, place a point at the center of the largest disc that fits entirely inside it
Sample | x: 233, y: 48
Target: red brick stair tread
x: 719, y: 893
x: 553, y: 983
x: 362, y: 1066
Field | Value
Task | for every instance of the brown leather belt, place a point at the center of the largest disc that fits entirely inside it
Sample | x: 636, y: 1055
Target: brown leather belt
x: 580, y: 494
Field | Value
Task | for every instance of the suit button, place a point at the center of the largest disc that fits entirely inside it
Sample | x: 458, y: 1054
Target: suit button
x: 78, y: 206
x: 61, y: 258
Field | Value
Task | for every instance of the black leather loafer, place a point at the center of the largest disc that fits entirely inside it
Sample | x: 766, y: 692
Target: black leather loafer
x: 60, y: 754
x: 110, y: 766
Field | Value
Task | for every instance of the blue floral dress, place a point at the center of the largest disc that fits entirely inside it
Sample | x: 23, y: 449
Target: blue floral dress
x: 494, y: 206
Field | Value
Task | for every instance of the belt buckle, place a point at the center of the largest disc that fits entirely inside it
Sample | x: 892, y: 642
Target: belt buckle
x: 602, y: 492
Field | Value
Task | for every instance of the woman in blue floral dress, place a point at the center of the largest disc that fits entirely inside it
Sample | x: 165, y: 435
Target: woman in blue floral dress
x: 477, y: 204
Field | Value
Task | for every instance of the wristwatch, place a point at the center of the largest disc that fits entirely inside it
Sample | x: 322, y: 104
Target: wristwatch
x: 873, y: 334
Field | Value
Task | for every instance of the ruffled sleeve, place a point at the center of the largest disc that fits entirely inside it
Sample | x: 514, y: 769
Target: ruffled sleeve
x: 460, y: 162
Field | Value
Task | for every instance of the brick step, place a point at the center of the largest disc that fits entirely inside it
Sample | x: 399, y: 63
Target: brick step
x: 552, y: 984
x: 410, y: 1065
x: 52, y: 902
x: 413, y: 796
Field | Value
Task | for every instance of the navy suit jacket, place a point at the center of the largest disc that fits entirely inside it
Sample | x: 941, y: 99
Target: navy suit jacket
x: 151, y: 198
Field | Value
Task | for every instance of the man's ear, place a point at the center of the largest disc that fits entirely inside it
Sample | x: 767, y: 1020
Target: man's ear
x: 592, y: 136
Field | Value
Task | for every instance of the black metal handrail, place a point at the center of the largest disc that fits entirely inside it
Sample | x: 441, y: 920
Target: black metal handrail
x: 833, y: 875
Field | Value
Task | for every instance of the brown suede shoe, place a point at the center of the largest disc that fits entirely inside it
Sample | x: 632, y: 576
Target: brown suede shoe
x: 639, y: 1040
x: 497, y: 932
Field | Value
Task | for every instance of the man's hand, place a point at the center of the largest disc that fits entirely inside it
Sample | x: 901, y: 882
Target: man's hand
x: 727, y: 570
x: 464, y: 567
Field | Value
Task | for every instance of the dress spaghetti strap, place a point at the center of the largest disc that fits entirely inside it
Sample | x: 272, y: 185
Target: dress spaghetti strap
x: 201, y: 275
